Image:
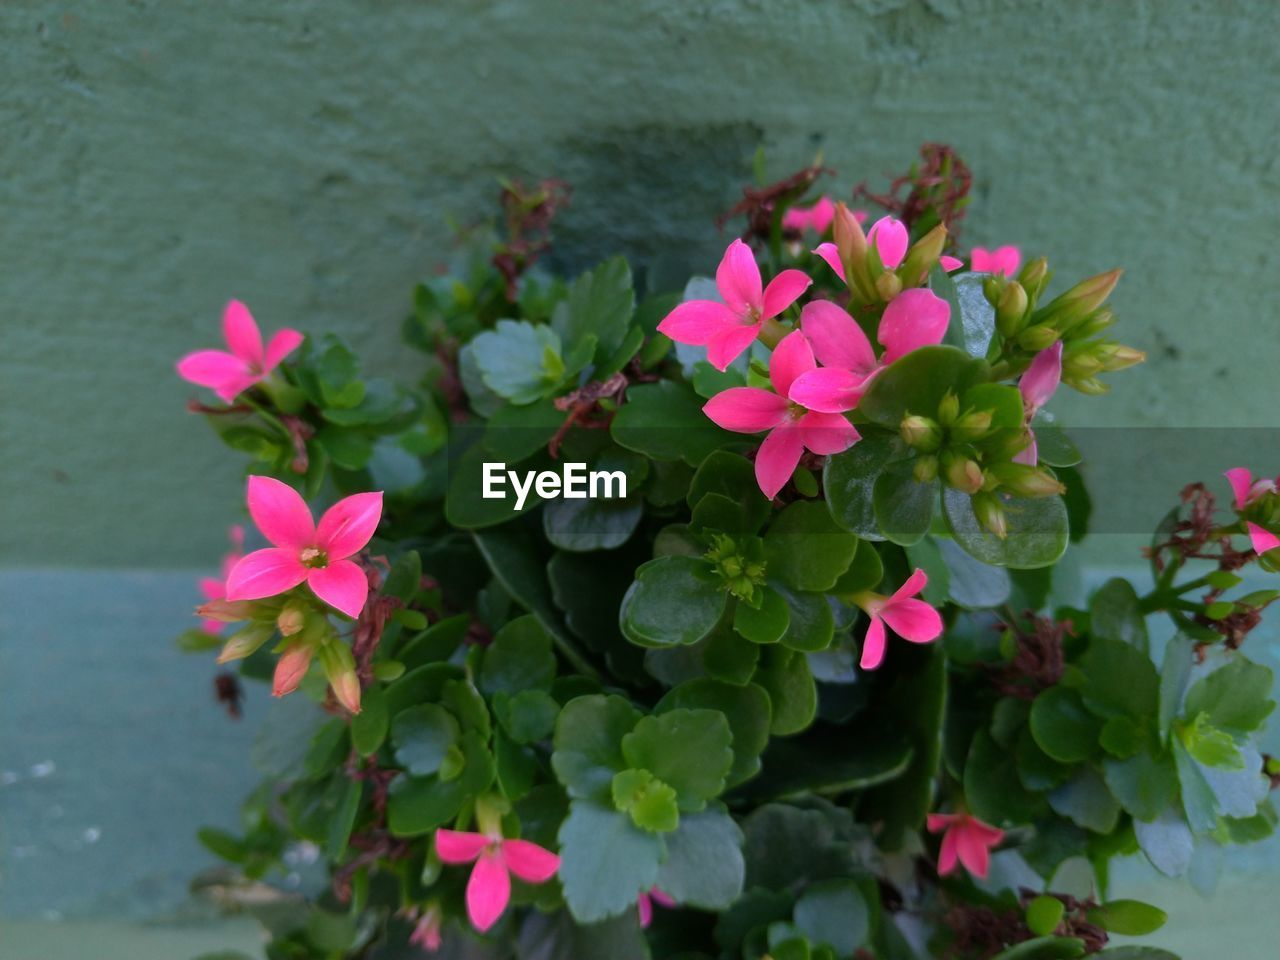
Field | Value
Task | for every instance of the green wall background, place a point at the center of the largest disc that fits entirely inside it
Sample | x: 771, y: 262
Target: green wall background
x: 159, y: 158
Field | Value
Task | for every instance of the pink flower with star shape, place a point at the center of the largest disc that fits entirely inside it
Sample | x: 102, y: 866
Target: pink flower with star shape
x: 1003, y: 260
x: 1037, y: 385
x: 495, y: 858
x: 908, y: 616
x: 727, y: 329
x: 966, y: 840
x: 645, y: 902
x: 1246, y: 489
x: 215, y: 588
x: 888, y: 235
x: 817, y: 217
x: 248, y: 362
x: 1261, y: 539
x: 303, y: 552
x: 793, y: 427
x: 426, y: 933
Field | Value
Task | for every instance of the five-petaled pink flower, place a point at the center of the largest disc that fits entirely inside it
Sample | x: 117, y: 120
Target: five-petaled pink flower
x: 891, y: 241
x: 792, y: 426
x: 726, y: 329
x: 1262, y: 540
x: 909, y: 617
x: 227, y: 374
x: 489, y: 889
x: 1037, y: 385
x: 1003, y: 260
x: 215, y: 588
x: 645, y: 902
x: 965, y: 840
x: 1246, y: 489
x: 914, y: 318
x: 304, y: 552
x: 816, y: 218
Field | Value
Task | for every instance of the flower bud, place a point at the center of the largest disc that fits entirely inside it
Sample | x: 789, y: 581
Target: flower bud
x: 1115, y: 356
x: 925, y: 469
x: 291, y: 619
x: 1090, y: 326
x: 1090, y: 386
x: 290, y: 669
x: 1024, y: 480
x: 851, y: 243
x: 888, y: 286
x: 920, y: 432
x: 1080, y: 361
x: 1034, y: 277
x: 971, y: 425
x: 340, y: 670
x: 993, y: 287
x: 226, y: 611
x: 1011, y: 309
x: 962, y: 473
x: 1081, y: 300
x: 986, y: 507
x: 948, y: 409
x: 1037, y: 338
x: 244, y: 642
x: 924, y: 254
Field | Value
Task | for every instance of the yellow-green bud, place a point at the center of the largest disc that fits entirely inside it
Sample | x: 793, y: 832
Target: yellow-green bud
x: 972, y: 425
x: 986, y: 507
x: 851, y: 243
x: 962, y: 473
x: 340, y: 670
x: 245, y: 641
x: 925, y: 469
x: 920, y: 432
x: 993, y: 287
x: 923, y: 255
x: 1090, y: 326
x: 1037, y: 338
x: 1034, y: 276
x: 948, y: 409
x: 1011, y: 310
x: 1091, y: 386
x: 1115, y: 356
x: 291, y: 619
x: 1024, y: 480
x: 1081, y: 363
x: 888, y: 286
x: 1081, y: 300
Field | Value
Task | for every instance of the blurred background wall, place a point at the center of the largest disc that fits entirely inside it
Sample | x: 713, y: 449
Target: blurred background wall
x: 159, y: 158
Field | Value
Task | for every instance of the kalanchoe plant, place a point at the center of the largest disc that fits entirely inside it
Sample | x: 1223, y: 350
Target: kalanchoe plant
x: 538, y: 717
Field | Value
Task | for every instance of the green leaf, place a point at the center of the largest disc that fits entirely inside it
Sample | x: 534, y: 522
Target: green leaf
x: 519, y: 658
x: 766, y: 624
x: 704, y: 867
x: 729, y: 657
x: 810, y: 622
x: 1085, y: 801
x: 973, y: 319
x: 1120, y: 679
x: 864, y: 573
x: 992, y: 788
x: 514, y: 433
x: 1116, y: 614
x: 688, y: 749
x: 1053, y: 446
x: 651, y: 804
x: 672, y: 601
x: 849, y: 479
x: 599, y: 304
x: 1209, y: 745
x: 1198, y: 802
x: 605, y: 861
x: 528, y: 716
x: 1062, y: 727
x: 1129, y: 918
x: 369, y: 726
x: 588, y: 741
x: 917, y: 383
x: 344, y: 819
x: 1144, y: 784
x: 973, y: 584
x: 732, y: 476
x: 1037, y: 530
x: 516, y: 766
x: 465, y: 504
x: 1233, y: 697
x: 824, y: 761
x: 785, y: 676
x: 747, y: 710
x: 1167, y: 842
x: 665, y: 421
x: 834, y: 912
x: 1137, y: 953
x: 805, y: 549
x: 518, y: 360
x: 1175, y: 671
x: 557, y: 936
x: 422, y: 736
x: 903, y: 508
x: 418, y: 805
x: 592, y: 523
x: 1044, y: 948
x: 1043, y: 915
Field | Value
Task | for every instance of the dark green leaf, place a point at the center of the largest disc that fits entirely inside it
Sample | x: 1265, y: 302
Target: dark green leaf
x: 1037, y: 530
x: 689, y: 749
x: 605, y: 861
x: 805, y: 549
x: 849, y: 479
x: 672, y: 601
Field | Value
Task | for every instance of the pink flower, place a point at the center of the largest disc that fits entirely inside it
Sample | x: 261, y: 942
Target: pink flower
x: 489, y: 889
x: 215, y: 588
x: 426, y: 932
x: 227, y: 374
x: 914, y: 318
x: 792, y: 426
x: 950, y: 264
x: 966, y: 840
x: 645, y: 902
x: 303, y: 551
x: 1003, y: 260
x: 816, y: 218
x: 891, y: 240
x: 727, y: 329
x: 1037, y: 385
x: 1262, y: 540
x: 911, y: 618
x: 1247, y: 490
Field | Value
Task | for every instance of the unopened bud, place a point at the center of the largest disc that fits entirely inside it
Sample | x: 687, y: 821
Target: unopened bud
x: 1034, y: 276
x: 1024, y: 480
x: 1012, y: 309
x: 1080, y: 364
x: 990, y: 514
x: 920, y: 432
x: 1115, y: 356
x: 924, y: 254
x: 1037, y: 338
x: 1090, y: 326
x: 948, y: 409
x: 1091, y: 386
x: 972, y: 425
x: 888, y: 286
x: 291, y: 619
x: 1081, y: 300
x: 851, y: 243
x: 290, y: 669
x: 993, y: 287
x: 340, y: 669
x: 962, y: 473
x: 226, y: 611
x: 244, y: 642
x: 925, y: 469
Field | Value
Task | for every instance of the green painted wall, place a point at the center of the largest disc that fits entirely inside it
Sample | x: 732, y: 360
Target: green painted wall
x: 157, y: 158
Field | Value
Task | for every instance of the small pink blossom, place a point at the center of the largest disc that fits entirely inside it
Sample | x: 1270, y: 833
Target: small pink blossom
x: 426, y: 932
x: 1246, y: 489
x: 889, y: 234
x: 1262, y: 540
x: 215, y: 588
x: 727, y: 329
x: 489, y: 889
x: 909, y: 617
x: 248, y: 362
x: 792, y: 426
x: 949, y: 263
x: 1037, y: 385
x: 1004, y: 260
x: 303, y: 551
x: 965, y: 840
x: 816, y: 218
x: 645, y: 902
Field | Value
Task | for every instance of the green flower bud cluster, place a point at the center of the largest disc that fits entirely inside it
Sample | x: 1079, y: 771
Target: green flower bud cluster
x: 871, y: 283
x: 739, y: 565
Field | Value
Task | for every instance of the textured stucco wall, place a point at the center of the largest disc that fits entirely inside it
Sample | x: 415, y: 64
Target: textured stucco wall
x: 157, y: 158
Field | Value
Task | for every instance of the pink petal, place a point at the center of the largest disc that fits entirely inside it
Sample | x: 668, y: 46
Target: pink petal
x: 990, y: 835
x: 873, y: 645
x: 219, y: 371
x: 243, y: 336
x: 1262, y: 540
x: 282, y: 344
x: 725, y: 346
x: 797, y: 218
x: 456, y: 846
x: 828, y: 390
x: 1241, y: 481
x: 738, y: 279
x: 1030, y: 454
x: 784, y: 290
x: 949, y: 263
x: 913, y: 620
x: 746, y: 409
x: 342, y: 585
x: 837, y: 339
x: 827, y: 433
x: 912, y: 585
x: 347, y: 526
x: 937, y: 822
x: 661, y: 897
x: 212, y: 588
x: 829, y: 253
x: 914, y: 318
x: 947, y: 855
x: 1042, y: 378
x: 777, y: 459
x: 890, y: 237
x: 791, y: 357
x: 265, y: 573
x: 1003, y: 260
x: 972, y: 851
x: 530, y: 862
x: 695, y: 322
x: 644, y: 906
x: 280, y: 513
x: 981, y: 260
x: 822, y: 213
x: 488, y: 891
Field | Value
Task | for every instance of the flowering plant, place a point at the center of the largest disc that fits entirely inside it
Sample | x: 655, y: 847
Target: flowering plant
x: 805, y: 689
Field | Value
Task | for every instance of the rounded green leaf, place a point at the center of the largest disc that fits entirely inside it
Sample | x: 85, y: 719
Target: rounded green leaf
x: 1043, y: 915
x: 1037, y: 530
x: 1062, y: 727
x: 588, y: 735
x: 422, y: 736
x: 746, y: 708
x: 1129, y: 918
x: 835, y: 913
x: 849, y: 478
x: 917, y: 383
x: 519, y: 658
x: 605, y: 861
x: 672, y: 601
x: 688, y: 749
x: 765, y: 624
x: 903, y: 508
x: 592, y: 523
x: 806, y: 549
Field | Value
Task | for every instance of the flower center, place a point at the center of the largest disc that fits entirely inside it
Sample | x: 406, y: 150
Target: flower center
x: 313, y: 557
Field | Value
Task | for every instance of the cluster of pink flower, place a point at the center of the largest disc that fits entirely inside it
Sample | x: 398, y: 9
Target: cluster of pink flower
x: 1248, y: 491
